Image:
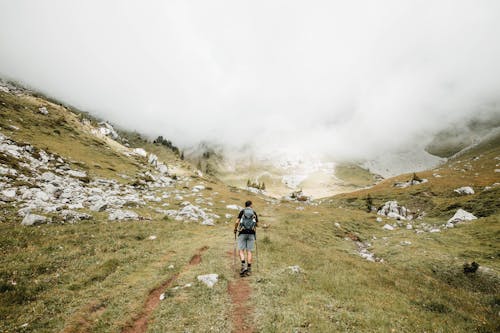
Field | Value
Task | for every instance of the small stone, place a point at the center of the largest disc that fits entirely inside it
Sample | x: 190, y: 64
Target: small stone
x: 43, y: 110
x: 388, y: 227
x: 208, y: 279
x: 152, y: 237
x: 466, y: 190
x: 294, y: 269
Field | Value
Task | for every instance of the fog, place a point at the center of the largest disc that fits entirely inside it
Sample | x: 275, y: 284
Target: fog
x: 344, y: 78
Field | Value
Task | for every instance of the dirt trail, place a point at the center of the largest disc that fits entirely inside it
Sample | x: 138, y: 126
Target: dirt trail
x: 240, y: 291
x: 140, y: 323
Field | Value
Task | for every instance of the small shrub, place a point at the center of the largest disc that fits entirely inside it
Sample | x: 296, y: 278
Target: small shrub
x: 436, y: 307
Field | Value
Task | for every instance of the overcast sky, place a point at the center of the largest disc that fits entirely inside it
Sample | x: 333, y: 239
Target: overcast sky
x: 341, y: 77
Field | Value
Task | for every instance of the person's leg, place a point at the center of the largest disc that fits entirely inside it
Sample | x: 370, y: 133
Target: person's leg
x: 250, y: 245
x: 242, y: 244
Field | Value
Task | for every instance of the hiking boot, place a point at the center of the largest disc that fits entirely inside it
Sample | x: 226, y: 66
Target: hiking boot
x: 248, y: 271
x: 243, y: 271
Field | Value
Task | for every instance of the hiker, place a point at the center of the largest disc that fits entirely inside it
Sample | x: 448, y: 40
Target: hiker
x: 245, y: 227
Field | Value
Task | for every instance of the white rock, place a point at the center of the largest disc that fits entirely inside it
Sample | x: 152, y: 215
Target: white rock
x: 120, y: 215
x: 337, y: 224
x: 294, y: 269
x: 43, y: 110
x: 99, y: 206
x: 140, y: 152
x: 409, y: 226
x: 435, y: 230
x: 461, y: 215
x: 162, y: 297
x: 235, y: 207
x: 228, y: 216
x: 152, y: 237
x: 42, y: 196
x: 77, y: 174
x: 152, y: 159
x: 209, y: 279
x: 404, y: 243
x: 9, y: 194
x: 208, y: 222
x: 388, y: 227
x: 33, y: 219
x: 72, y: 216
x: 393, y: 210
x: 464, y: 190
x: 78, y: 205
x: 198, y: 188
x: 170, y: 266
x: 106, y: 129
x: 379, y: 219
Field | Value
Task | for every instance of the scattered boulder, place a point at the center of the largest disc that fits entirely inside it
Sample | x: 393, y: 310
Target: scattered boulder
x: 460, y: 216
x: 388, y: 227
x: 295, y: 269
x: 466, y: 190
x: 208, y: 279
x: 43, y: 110
x: 33, y: 219
x: 235, y: 207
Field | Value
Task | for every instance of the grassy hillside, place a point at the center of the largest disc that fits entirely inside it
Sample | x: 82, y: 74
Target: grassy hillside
x: 107, y: 276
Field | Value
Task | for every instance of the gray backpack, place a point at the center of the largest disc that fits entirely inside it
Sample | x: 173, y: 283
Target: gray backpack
x: 247, y: 221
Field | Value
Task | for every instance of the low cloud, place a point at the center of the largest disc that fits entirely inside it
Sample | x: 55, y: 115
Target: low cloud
x: 347, y: 79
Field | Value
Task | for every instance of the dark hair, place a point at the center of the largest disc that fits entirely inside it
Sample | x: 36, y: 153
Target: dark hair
x: 248, y: 203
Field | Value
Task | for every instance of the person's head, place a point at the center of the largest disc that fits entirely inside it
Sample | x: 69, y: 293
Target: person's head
x: 248, y: 204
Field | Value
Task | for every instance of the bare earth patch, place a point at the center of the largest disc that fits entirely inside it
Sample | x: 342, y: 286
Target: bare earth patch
x: 140, y: 324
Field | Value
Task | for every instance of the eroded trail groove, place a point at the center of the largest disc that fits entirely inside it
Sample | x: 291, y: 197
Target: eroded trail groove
x: 140, y: 323
x: 240, y: 292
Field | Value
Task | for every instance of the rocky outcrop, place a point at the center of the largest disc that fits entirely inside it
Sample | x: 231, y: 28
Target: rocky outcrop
x: 393, y: 210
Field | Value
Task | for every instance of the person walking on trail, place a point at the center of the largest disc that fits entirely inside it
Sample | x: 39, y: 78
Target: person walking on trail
x: 245, y: 227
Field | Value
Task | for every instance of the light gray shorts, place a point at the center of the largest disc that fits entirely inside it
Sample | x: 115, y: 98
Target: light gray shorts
x: 246, y: 242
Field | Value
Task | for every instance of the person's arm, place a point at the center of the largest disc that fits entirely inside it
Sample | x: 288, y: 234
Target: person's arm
x: 256, y: 220
x: 237, y: 223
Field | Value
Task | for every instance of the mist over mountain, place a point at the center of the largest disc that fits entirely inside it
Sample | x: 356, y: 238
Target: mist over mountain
x: 350, y: 80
